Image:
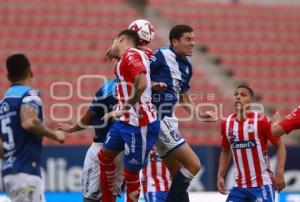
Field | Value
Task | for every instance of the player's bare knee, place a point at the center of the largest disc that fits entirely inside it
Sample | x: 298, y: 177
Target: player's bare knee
x: 193, y: 167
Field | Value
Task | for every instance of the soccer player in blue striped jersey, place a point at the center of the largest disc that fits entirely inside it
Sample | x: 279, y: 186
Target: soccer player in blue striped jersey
x: 172, y: 69
x: 22, y: 130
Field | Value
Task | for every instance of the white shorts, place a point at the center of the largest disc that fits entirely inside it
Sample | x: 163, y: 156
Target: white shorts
x: 24, y: 187
x: 90, y: 185
x: 169, y: 136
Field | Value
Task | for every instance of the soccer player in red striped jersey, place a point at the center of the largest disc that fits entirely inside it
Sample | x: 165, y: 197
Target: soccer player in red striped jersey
x: 245, y: 134
x: 287, y: 125
x: 156, y: 178
x: 137, y: 127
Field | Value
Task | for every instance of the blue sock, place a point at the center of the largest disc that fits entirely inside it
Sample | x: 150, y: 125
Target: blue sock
x: 180, y: 183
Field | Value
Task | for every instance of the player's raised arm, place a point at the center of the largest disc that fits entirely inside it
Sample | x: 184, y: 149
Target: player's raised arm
x: 31, y: 122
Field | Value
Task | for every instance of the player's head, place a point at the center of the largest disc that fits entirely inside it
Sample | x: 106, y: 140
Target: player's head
x: 182, y: 39
x: 125, y: 39
x: 18, y: 68
x: 243, y: 97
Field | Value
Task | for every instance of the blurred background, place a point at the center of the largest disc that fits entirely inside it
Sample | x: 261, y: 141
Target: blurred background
x: 256, y: 42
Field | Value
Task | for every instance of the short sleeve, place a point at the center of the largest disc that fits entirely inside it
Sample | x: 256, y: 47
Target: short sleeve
x: 224, y: 140
x: 33, y: 99
x: 135, y: 64
x: 292, y: 121
x: 155, y: 61
x: 97, y: 107
x: 265, y: 129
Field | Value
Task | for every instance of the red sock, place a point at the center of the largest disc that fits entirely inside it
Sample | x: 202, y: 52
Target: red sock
x: 132, y: 180
x: 107, y: 176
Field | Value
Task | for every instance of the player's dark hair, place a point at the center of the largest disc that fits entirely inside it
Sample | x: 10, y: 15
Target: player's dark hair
x: 178, y: 30
x: 131, y: 35
x: 17, y: 66
x: 248, y: 88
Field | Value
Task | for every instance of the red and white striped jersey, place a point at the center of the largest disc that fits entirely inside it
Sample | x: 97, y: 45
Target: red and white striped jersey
x: 131, y: 63
x: 156, y: 176
x: 248, y: 141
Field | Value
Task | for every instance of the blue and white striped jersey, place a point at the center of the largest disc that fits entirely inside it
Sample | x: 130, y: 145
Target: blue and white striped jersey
x: 174, y: 70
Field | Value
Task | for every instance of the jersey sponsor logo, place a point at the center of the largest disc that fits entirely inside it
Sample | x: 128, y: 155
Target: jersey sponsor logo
x: 244, y: 144
x: 133, y: 161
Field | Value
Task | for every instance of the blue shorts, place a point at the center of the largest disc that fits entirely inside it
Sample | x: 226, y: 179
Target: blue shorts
x: 264, y: 193
x: 135, y: 141
x: 156, y: 196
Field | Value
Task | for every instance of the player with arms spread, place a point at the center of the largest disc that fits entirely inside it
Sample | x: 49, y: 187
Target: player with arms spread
x: 171, y: 68
x: 245, y: 134
x: 137, y: 127
x: 21, y: 133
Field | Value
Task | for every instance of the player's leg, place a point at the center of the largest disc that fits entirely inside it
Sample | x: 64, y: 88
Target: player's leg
x: 112, y: 147
x: 264, y: 193
x: 238, y: 195
x: 138, y: 141
x: 90, y: 186
x: 182, y: 162
x: 24, y: 187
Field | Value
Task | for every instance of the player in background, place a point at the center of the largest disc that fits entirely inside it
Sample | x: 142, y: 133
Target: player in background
x: 21, y: 134
x: 285, y: 126
x: 171, y: 66
x: 156, y: 178
x: 103, y: 102
x: 137, y: 127
x: 245, y: 134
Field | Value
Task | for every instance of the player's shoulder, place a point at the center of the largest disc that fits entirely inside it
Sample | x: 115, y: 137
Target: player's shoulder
x: 18, y: 91
x: 134, y: 52
x: 262, y: 117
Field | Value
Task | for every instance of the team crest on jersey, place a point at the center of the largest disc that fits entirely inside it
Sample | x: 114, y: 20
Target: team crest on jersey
x: 4, y: 108
x: 250, y: 128
x: 231, y: 135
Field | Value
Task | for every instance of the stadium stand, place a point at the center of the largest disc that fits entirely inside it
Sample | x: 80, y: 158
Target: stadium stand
x: 259, y: 43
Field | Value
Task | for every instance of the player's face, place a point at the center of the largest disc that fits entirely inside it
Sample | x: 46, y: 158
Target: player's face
x: 114, y: 49
x: 185, y: 45
x: 242, y: 98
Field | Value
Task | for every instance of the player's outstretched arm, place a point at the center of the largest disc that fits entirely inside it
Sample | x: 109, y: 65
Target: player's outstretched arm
x: 279, y: 181
x: 84, y: 123
x: 223, y: 166
x: 31, y: 122
x: 189, y: 106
